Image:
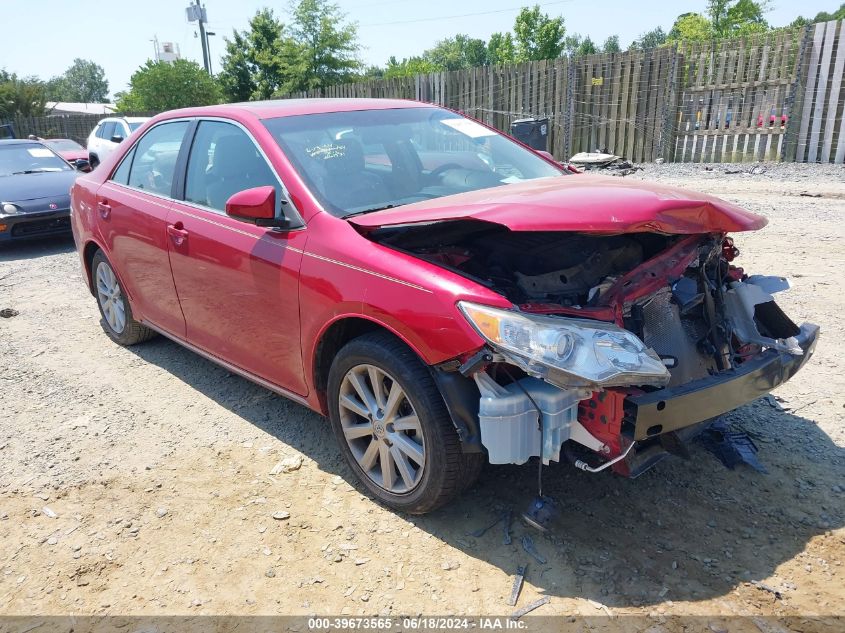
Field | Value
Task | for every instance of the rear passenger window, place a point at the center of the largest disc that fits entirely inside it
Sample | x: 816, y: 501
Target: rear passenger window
x: 155, y: 158
x: 106, y: 130
x: 121, y: 174
x: 223, y: 161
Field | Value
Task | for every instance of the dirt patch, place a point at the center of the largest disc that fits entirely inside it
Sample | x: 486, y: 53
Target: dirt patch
x: 145, y: 480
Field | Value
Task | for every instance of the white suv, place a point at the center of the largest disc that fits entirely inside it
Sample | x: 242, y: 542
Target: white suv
x: 109, y: 133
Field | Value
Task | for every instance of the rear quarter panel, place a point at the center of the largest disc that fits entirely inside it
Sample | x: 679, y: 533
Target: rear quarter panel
x: 83, y: 205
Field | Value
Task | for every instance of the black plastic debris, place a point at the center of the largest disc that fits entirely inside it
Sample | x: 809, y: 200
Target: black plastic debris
x: 8, y: 313
x: 731, y: 447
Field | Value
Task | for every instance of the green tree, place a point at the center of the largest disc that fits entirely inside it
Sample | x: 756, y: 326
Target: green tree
x: 329, y: 45
x: 821, y: 16
x: 158, y: 86
x: 691, y: 27
x: 371, y: 72
x: 537, y: 35
x: 261, y: 60
x: 650, y: 39
x: 586, y: 47
x: 501, y: 49
x: 83, y: 82
x: 409, y: 67
x: 25, y: 96
x: 734, y: 18
x: 460, y: 51
x: 611, y: 45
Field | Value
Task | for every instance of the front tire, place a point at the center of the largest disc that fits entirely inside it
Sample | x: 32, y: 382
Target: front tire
x: 117, y: 319
x: 393, y: 427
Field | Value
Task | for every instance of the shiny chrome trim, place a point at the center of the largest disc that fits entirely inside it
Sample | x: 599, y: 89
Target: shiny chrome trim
x: 369, y: 272
x: 243, y: 373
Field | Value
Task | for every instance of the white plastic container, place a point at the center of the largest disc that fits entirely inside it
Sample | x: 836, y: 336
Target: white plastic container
x: 509, y: 427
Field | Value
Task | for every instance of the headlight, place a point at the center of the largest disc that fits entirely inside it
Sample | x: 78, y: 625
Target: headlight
x: 8, y: 208
x: 568, y: 352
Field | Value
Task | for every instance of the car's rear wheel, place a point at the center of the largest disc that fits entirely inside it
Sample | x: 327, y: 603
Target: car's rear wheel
x: 93, y: 160
x: 117, y: 320
x: 393, y: 426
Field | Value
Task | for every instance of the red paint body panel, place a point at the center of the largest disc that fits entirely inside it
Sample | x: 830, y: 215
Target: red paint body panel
x: 261, y: 299
x: 72, y: 155
x: 238, y: 288
x: 596, y: 204
x: 132, y: 228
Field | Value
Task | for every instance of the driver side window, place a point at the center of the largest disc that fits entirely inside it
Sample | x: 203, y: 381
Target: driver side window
x: 223, y: 161
x: 155, y: 158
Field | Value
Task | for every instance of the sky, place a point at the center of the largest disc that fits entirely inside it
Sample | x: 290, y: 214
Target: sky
x: 42, y: 37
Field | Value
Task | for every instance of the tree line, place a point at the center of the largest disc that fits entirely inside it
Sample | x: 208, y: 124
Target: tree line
x: 318, y: 47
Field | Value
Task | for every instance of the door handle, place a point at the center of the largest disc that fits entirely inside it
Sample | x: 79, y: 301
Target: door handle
x: 177, y: 233
x: 104, y: 208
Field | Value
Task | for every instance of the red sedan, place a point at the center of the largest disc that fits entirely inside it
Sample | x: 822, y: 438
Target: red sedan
x: 445, y: 295
x: 66, y: 148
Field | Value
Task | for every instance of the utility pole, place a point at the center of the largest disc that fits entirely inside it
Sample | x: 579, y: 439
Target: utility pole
x: 196, y: 13
x: 208, y: 49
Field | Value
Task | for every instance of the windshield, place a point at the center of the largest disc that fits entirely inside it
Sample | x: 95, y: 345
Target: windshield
x: 135, y: 126
x: 367, y: 160
x: 63, y: 145
x: 29, y: 158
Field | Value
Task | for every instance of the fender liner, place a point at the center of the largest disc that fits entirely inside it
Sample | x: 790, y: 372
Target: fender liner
x: 462, y: 397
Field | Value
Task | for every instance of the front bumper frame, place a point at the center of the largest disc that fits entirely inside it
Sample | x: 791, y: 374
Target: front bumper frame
x: 673, y: 408
x: 35, y: 225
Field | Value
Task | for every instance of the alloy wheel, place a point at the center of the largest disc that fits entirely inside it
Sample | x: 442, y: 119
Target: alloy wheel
x: 381, y: 428
x: 110, y: 298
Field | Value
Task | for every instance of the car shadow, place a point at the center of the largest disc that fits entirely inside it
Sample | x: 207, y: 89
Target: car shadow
x: 31, y: 249
x: 685, y: 530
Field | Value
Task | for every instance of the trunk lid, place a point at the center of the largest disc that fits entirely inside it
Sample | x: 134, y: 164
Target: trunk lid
x: 581, y: 203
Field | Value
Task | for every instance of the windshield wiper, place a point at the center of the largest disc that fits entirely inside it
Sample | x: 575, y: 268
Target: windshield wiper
x: 362, y: 212
x: 32, y: 171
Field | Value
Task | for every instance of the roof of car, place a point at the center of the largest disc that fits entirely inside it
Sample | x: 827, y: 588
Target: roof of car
x: 292, y: 107
x: 128, y: 119
x: 17, y: 141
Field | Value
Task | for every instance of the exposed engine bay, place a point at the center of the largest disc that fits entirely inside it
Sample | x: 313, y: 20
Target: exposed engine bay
x: 618, y: 346
x: 553, y: 267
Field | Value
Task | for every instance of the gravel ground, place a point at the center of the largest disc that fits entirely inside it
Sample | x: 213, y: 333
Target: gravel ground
x: 144, y: 480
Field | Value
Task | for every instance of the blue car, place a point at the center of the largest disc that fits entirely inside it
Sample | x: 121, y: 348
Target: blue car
x: 34, y: 191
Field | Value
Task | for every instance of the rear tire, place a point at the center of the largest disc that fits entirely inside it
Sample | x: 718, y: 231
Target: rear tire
x: 93, y: 160
x: 117, y: 320
x: 388, y: 416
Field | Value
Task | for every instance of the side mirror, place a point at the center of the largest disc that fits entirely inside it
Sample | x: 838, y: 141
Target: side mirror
x: 256, y: 206
x: 117, y: 138
x: 82, y: 164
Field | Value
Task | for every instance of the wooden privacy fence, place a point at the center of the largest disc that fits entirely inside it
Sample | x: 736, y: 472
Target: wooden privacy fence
x: 819, y: 135
x: 775, y: 96
x: 736, y: 104
x: 73, y: 126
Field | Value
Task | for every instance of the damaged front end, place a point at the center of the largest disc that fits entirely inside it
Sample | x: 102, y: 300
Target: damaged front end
x: 618, y: 348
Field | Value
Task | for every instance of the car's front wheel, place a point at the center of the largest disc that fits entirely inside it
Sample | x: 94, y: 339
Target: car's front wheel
x: 393, y: 426
x: 117, y: 320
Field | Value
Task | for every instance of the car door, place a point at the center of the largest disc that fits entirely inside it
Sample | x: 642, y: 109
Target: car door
x: 104, y: 144
x: 237, y: 283
x: 132, y: 209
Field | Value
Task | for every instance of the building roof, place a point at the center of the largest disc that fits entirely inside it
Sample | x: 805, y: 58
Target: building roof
x: 66, y: 107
